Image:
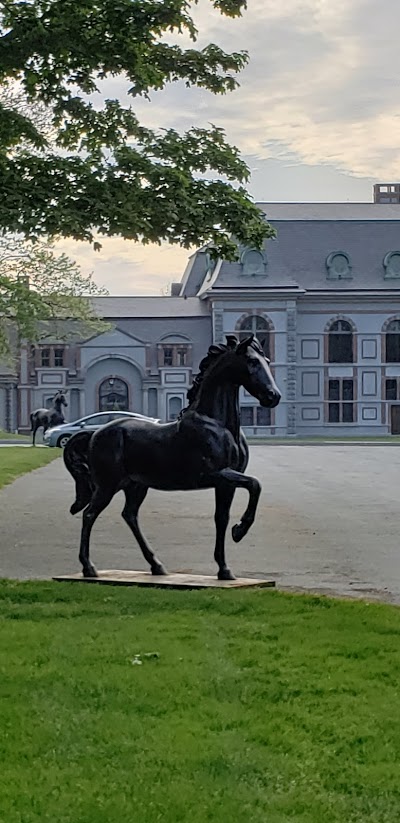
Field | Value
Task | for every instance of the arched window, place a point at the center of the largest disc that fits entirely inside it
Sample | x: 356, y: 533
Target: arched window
x: 340, y: 346
x: 174, y: 407
x: 392, y: 339
x: 260, y: 327
x: 113, y: 395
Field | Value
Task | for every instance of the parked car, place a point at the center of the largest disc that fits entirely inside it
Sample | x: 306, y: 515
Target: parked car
x: 59, y: 435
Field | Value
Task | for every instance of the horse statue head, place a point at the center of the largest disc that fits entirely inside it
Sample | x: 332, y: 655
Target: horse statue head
x: 59, y: 400
x: 254, y: 372
x: 246, y: 365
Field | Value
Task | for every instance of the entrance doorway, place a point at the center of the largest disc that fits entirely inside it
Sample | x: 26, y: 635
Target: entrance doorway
x: 113, y: 395
x: 395, y: 419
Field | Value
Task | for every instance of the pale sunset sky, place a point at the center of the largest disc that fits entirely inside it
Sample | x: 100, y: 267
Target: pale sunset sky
x: 316, y: 117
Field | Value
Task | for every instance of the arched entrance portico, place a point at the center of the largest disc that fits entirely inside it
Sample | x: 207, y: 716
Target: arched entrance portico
x: 113, y: 383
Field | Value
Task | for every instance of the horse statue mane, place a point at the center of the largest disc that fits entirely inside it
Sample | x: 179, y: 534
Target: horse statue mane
x: 214, y: 353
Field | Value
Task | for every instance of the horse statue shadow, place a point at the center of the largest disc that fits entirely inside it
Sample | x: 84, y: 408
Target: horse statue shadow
x: 47, y: 418
x: 204, y: 448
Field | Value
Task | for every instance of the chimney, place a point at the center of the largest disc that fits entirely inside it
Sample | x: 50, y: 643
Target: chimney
x: 387, y: 193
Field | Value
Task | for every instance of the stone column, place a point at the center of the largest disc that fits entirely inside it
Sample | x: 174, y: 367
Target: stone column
x: 218, y: 326
x: 291, y: 382
x: 25, y: 400
x: 8, y: 409
x: 24, y: 364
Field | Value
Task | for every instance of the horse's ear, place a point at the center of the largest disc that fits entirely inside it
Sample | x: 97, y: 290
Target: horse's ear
x: 231, y: 341
x: 243, y: 346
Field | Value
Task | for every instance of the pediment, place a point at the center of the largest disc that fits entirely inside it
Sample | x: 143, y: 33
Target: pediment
x: 113, y: 339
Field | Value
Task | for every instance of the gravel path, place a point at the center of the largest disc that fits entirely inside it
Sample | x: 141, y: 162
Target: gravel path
x: 328, y: 520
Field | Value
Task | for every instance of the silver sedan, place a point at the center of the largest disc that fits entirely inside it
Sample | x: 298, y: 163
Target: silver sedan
x: 59, y: 435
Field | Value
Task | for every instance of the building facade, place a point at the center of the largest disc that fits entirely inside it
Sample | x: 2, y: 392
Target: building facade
x: 324, y: 299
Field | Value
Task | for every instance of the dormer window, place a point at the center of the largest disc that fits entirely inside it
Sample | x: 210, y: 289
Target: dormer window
x: 338, y: 266
x: 253, y: 262
x: 391, y: 263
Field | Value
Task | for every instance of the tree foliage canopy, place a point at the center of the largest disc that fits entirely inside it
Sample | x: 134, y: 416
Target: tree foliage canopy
x: 90, y: 166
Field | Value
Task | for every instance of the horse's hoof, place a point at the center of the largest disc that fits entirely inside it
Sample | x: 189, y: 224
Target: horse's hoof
x: 238, y: 532
x: 90, y: 571
x: 158, y: 569
x: 226, y: 574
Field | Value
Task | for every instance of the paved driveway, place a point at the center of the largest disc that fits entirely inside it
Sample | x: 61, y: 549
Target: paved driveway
x: 328, y: 519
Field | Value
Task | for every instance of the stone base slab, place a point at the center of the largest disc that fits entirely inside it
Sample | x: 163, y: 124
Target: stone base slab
x: 118, y: 577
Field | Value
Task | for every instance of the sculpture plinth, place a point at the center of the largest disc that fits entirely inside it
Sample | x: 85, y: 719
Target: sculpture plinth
x: 119, y: 577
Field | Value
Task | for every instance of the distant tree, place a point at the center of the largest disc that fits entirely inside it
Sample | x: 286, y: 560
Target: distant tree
x: 72, y: 166
x: 42, y: 293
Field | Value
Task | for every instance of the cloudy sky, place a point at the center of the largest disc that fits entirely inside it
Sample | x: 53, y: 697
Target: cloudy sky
x: 316, y: 117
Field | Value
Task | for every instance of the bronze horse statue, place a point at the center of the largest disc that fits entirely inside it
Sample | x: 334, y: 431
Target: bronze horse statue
x: 205, y: 448
x: 48, y: 417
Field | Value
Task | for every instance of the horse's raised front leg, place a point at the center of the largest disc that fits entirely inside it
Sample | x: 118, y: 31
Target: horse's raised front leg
x: 100, y: 500
x: 135, y: 494
x: 223, y: 501
x: 237, y: 480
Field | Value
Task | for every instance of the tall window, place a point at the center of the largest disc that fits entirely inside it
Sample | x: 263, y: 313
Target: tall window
x: 181, y: 357
x: 260, y: 327
x: 393, y: 342
x: 113, y: 395
x: 340, y: 346
x: 341, y: 396
x: 255, y: 416
x: 153, y: 403
x: 45, y: 357
x: 168, y: 357
x: 59, y: 357
x: 174, y: 407
x: 392, y: 388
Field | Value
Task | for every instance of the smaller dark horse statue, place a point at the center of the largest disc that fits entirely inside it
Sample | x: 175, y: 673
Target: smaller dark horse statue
x: 49, y: 417
x: 203, y: 449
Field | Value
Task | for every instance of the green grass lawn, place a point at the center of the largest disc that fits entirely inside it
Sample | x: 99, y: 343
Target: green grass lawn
x: 10, y: 436
x: 253, y: 707
x: 15, y: 461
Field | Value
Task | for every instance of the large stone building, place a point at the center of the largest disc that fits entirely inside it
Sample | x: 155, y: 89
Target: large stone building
x: 324, y: 297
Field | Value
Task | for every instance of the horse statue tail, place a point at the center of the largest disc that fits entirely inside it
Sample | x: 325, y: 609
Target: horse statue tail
x: 76, y: 460
x: 31, y: 418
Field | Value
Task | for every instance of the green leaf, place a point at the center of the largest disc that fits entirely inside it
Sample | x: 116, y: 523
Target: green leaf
x: 72, y: 166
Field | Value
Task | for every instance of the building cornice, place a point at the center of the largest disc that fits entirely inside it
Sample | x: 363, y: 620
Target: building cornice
x: 238, y: 292
x: 364, y: 294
